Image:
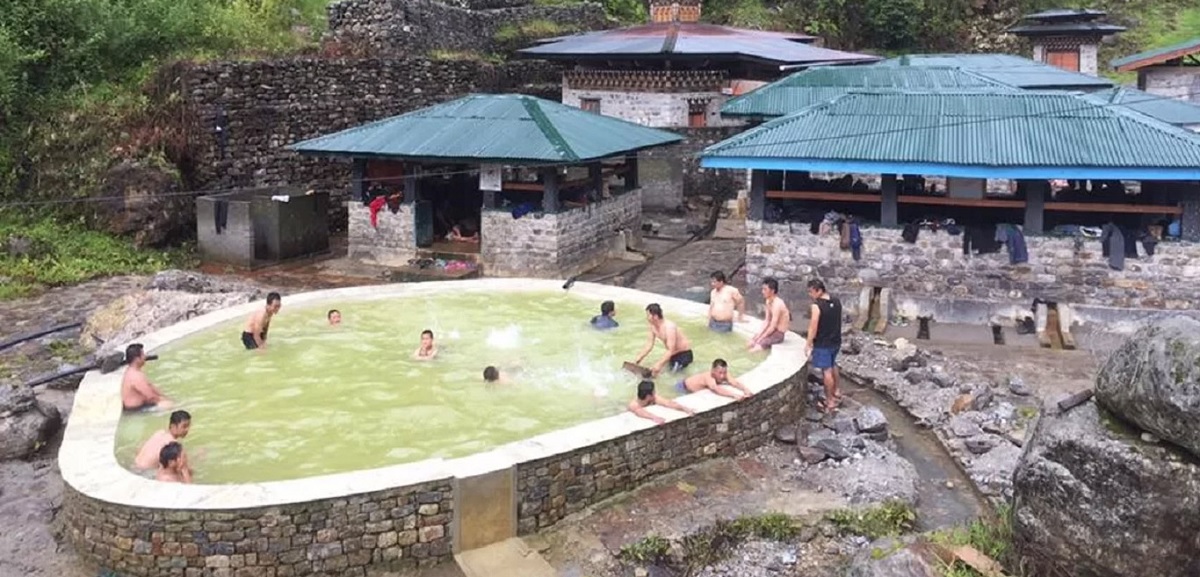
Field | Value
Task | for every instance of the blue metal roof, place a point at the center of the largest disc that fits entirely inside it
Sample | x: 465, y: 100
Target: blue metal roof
x: 507, y: 128
x: 1168, y: 110
x: 1007, y: 69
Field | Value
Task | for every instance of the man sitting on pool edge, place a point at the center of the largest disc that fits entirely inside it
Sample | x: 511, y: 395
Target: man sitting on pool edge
x: 137, y: 392
x: 712, y: 380
x: 646, y: 397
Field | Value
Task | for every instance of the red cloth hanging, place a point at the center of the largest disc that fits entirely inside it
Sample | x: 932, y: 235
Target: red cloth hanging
x: 377, y: 205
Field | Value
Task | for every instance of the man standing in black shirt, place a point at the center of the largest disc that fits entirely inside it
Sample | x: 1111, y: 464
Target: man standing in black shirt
x: 825, y: 339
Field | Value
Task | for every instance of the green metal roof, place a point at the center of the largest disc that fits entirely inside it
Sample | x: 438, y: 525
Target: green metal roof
x: 492, y: 128
x: 1168, y: 110
x: 819, y: 85
x: 1006, y: 69
x: 1158, y: 55
x: 970, y: 134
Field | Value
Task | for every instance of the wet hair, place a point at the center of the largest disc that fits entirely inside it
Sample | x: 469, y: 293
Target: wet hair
x: 180, y: 417
x: 427, y: 332
x: 134, y: 351
x: 607, y: 308
x: 654, y: 310
x: 491, y: 374
x: 273, y: 298
x: 816, y: 284
x: 771, y: 283
x: 718, y: 276
x: 169, y: 452
x: 645, y: 389
x: 720, y: 363
x: 329, y: 314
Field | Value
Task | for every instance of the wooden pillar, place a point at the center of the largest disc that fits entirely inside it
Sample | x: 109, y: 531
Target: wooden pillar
x: 1035, y: 205
x: 550, y: 185
x: 889, y: 211
x: 595, y: 181
x: 412, y: 182
x: 758, y: 194
x: 358, y: 171
x: 631, y: 172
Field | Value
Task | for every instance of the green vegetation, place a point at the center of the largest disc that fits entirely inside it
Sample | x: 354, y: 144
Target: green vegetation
x: 887, y: 520
x: 651, y: 550
x: 621, y: 11
x: 53, y: 252
x: 708, y: 546
x: 512, y: 37
x: 993, y: 538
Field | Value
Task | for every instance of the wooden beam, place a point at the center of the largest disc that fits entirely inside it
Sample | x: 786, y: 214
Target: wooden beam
x: 971, y: 202
x: 1116, y: 208
x: 814, y: 195
x: 523, y: 187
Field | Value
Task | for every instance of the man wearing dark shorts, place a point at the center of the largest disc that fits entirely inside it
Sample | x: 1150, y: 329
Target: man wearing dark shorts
x: 254, y: 336
x: 679, y: 349
x: 825, y: 339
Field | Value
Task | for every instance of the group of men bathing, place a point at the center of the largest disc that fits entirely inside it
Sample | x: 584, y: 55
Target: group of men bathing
x: 164, y: 452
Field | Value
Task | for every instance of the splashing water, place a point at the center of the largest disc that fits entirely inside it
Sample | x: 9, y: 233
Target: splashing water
x: 507, y: 338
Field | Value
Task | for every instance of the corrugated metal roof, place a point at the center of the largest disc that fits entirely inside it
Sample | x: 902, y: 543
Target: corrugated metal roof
x: 492, y: 127
x: 1066, y: 28
x: 1169, y: 110
x: 1158, y: 55
x: 818, y: 85
x: 1066, y: 14
x: 1006, y: 69
x: 1018, y: 129
x: 686, y: 39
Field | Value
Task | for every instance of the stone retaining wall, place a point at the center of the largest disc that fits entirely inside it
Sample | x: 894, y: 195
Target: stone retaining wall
x: 669, y: 173
x: 392, y: 242
x: 1059, y: 269
x: 403, y: 527
x: 550, y: 489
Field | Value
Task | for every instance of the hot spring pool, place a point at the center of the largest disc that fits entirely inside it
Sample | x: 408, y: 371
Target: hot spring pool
x: 327, y: 399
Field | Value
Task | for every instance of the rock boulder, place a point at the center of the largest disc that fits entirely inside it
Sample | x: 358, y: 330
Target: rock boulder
x: 1153, y: 381
x: 1093, y: 500
x: 889, y: 558
x: 25, y: 423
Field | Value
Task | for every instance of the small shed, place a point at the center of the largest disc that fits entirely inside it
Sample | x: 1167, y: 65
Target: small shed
x: 518, y: 185
x: 261, y: 227
x: 1171, y: 71
x: 1066, y: 38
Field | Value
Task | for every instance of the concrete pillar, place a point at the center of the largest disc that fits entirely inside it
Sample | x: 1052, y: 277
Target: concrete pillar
x: 864, y: 308
x: 885, y: 311
x: 1189, y: 221
x: 412, y: 182
x: 1036, y: 192
x: 889, y: 211
x: 1066, y: 316
x: 550, y: 195
x: 1040, y: 315
x: 758, y: 194
x: 358, y: 171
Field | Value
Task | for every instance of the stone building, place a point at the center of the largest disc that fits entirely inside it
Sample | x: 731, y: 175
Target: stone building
x: 1068, y: 39
x: 676, y: 72
x: 928, y: 222
x: 518, y: 185
x: 1172, y: 72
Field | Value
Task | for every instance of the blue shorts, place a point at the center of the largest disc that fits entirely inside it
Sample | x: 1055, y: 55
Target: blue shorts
x: 681, y: 386
x: 824, y: 358
x: 720, y: 326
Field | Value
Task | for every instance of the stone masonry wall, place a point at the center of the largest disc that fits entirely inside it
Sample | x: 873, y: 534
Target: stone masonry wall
x: 404, y: 27
x: 656, y: 109
x: 1179, y: 82
x: 669, y: 173
x: 392, y: 242
x: 340, y: 537
x: 550, y: 489
x: 245, y: 113
x: 585, y: 235
x: 935, y: 268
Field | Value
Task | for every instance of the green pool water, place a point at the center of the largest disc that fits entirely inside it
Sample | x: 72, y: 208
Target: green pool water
x: 327, y: 399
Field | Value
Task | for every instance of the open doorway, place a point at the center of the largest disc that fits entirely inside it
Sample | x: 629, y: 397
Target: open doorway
x: 453, y: 208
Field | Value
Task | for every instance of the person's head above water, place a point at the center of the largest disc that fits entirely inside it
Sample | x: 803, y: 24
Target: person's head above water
x: 645, y: 390
x: 334, y: 316
x: 426, y: 338
x: 720, y: 370
x: 180, y: 424
x: 717, y: 279
x: 654, y: 313
x: 135, y: 355
x: 169, y: 455
x: 770, y: 287
x: 608, y: 308
x: 491, y: 374
x: 274, y: 302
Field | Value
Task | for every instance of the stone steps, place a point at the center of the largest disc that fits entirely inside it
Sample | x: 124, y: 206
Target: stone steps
x: 508, y: 558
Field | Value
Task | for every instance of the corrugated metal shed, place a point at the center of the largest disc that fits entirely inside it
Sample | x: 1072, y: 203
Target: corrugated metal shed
x: 1169, y: 110
x: 492, y: 128
x: 818, y: 85
x: 1007, y: 69
x: 997, y: 135
x: 1158, y: 55
x: 668, y: 40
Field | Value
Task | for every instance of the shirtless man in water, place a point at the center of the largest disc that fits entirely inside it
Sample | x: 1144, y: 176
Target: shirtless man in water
x: 172, y: 465
x: 137, y: 392
x: 679, y: 349
x: 718, y: 375
x: 646, y: 397
x: 427, y: 351
x: 177, y: 428
x: 722, y: 302
x: 778, y: 321
x: 254, y: 336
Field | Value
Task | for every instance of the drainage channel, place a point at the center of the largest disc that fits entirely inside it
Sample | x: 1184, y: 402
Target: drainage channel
x: 945, y: 495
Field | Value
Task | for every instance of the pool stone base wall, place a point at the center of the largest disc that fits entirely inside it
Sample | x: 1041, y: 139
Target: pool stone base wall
x: 406, y: 527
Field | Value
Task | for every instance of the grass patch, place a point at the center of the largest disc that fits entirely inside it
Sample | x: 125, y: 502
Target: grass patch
x: 54, y: 252
x: 464, y: 55
x: 706, y: 547
x: 651, y: 549
x: 887, y: 520
x: 993, y: 538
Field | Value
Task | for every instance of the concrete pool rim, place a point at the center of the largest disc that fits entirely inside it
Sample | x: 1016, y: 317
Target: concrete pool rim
x: 89, y: 466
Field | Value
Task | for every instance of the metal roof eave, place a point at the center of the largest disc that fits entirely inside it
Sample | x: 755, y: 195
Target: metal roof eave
x: 956, y: 170
x: 471, y: 160
x: 691, y: 56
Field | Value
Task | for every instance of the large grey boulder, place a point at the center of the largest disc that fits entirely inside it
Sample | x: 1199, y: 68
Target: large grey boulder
x: 888, y: 557
x: 1092, y: 500
x: 25, y: 423
x: 1153, y: 381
